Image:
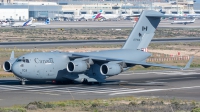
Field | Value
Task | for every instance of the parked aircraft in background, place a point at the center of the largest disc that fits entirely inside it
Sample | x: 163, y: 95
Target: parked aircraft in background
x: 31, y: 23
x: 22, y: 24
x: 193, y: 15
x: 4, y: 23
x: 34, y: 24
x: 109, y: 16
x: 100, y: 16
x: 87, y: 16
x: 90, y: 67
x: 182, y: 14
x: 183, y: 22
x: 130, y: 16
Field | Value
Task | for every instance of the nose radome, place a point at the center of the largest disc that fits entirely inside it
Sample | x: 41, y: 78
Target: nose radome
x: 16, y: 69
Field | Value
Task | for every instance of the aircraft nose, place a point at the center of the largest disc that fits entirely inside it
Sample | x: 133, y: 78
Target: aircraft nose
x: 16, y: 69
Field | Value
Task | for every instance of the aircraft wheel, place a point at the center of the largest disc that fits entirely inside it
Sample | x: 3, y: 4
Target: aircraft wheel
x: 23, y: 82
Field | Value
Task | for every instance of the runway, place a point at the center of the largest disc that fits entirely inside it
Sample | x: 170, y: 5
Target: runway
x: 165, y: 84
x: 43, y: 44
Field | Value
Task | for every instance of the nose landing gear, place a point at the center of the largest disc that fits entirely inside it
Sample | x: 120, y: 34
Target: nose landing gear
x: 23, y: 82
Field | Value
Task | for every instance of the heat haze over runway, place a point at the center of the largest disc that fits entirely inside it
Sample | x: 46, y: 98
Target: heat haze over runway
x: 114, y: 24
x: 162, y: 83
x: 109, y: 24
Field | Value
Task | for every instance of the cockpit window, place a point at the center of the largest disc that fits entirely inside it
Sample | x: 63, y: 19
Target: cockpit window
x: 24, y: 60
x: 19, y: 60
x: 27, y: 61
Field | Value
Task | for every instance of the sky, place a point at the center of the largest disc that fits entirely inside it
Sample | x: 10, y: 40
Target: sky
x: 198, y: 1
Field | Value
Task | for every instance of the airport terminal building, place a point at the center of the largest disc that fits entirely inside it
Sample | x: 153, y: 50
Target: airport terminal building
x: 23, y: 10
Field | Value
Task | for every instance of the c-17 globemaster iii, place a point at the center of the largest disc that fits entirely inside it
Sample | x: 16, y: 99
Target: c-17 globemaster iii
x: 90, y: 66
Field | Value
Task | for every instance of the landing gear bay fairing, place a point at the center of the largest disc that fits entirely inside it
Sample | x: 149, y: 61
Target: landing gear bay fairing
x: 90, y: 66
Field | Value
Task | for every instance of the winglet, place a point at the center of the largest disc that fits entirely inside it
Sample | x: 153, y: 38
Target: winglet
x: 12, y: 56
x: 189, y: 63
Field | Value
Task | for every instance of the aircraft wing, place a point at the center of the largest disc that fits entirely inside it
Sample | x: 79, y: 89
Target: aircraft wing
x: 161, y: 65
x: 130, y: 62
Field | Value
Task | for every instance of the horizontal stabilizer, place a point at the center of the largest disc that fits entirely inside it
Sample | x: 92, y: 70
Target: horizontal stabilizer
x: 189, y: 63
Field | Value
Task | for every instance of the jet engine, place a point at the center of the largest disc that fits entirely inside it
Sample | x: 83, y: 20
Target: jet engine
x: 111, y: 69
x: 77, y: 66
x: 8, y: 65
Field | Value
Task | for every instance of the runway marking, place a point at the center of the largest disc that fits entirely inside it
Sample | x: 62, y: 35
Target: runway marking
x: 179, y: 73
x: 49, y: 94
x: 25, y: 86
x: 154, y: 90
x: 9, y: 88
x: 175, y: 73
x: 56, y: 90
x: 50, y: 89
x: 152, y: 82
x: 86, y: 90
x: 175, y: 78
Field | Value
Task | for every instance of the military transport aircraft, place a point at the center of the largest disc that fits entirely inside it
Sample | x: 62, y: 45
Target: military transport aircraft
x: 90, y: 66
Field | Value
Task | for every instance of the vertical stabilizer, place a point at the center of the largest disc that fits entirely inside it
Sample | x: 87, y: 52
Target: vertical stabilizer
x: 28, y: 22
x: 47, y: 21
x: 193, y: 20
x: 143, y: 31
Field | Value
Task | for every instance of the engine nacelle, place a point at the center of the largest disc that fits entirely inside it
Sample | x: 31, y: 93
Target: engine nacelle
x: 77, y: 66
x: 111, y: 69
x: 7, y: 66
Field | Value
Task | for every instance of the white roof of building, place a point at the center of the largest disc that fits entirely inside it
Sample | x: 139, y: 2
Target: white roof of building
x: 34, y: 3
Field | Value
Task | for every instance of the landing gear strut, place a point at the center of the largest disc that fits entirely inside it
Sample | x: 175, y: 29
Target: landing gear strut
x: 22, y: 81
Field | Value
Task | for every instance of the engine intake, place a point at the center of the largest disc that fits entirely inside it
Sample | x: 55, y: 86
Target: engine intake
x: 111, y: 69
x: 7, y: 66
x: 77, y: 66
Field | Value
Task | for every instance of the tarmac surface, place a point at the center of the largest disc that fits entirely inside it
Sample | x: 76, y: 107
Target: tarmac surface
x: 49, y: 44
x: 166, y: 84
x: 113, y: 24
x: 109, y: 24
